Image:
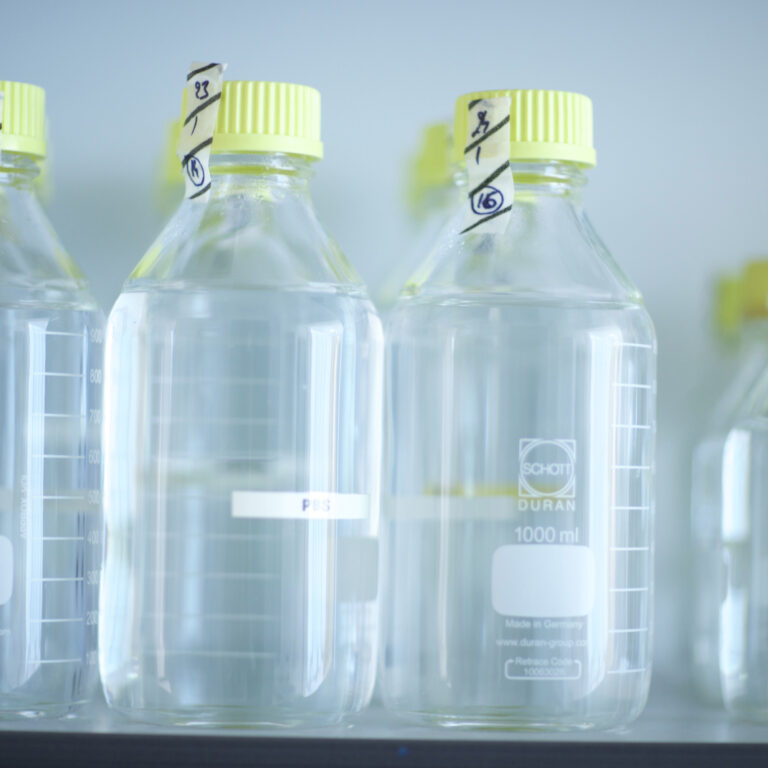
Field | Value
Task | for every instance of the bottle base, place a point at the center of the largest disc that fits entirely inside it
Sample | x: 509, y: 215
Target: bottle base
x: 510, y: 720
x: 38, y: 711
x: 748, y: 714
x: 238, y: 718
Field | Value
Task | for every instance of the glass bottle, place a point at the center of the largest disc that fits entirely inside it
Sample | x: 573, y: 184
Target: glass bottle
x: 707, y: 491
x: 745, y: 341
x: 518, y: 492
x: 242, y: 447
x: 51, y: 333
x: 730, y: 651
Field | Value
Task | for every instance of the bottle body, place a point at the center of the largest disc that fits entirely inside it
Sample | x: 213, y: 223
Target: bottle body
x: 51, y: 335
x: 706, y: 508
x: 528, y: 519
x: 51, y: 531
x: 241, y: 487
x: 741, y: 558
x: 709, y: 506
x: 744, y: 612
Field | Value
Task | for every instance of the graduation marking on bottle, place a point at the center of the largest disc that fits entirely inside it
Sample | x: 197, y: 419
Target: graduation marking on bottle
x: 214, y: 617
x: 35, y: 662
x: 48, y: 579
x: 72, y: 620
x: 254, y: 655
x: 66, y: 511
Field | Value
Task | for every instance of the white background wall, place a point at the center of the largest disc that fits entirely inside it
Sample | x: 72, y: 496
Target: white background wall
x: 681, y: 111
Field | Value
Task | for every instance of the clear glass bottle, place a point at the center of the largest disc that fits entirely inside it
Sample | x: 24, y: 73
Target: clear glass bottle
x: 745, y: 342
x: 741, y: 397
x: 730, y: 629
x: 432, y: 195
x: 51, y: 333
x: 242, y: 447
x: 519, y: 459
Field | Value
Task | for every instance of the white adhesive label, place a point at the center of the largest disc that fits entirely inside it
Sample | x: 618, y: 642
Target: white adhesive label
x: 486, y: 153
x: 543, y: 581
x: 313, y: 505
x: 6, y: 570
x: 204, y: 83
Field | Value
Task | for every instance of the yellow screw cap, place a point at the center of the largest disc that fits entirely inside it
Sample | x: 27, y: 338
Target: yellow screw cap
x: 267, y: 117
x: 23, y: 118
x: 544, y: 125
x: 754, y: 290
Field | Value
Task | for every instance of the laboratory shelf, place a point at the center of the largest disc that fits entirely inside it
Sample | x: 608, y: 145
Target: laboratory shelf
x: 673, y: 730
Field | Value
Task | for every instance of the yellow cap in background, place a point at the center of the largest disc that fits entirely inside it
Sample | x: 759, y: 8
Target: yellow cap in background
x: 170, y: 168
x: 23, y: 118
x: 169, y: 186
x: 544, y: 125
x: 728, y: 305
x: 754, y: 290
x: 430, y: 168
x: 267, y: 117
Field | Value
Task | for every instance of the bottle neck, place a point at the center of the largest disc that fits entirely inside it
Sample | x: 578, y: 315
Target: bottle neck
x: 18, y: 170
x: 265, y: 175
x: 33, y: 264
x: 547, y: 248
x: 258, y: 228
x: 546, y: 179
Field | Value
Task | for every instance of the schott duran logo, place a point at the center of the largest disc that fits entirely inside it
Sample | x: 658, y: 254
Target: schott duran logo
x: 547, y: 475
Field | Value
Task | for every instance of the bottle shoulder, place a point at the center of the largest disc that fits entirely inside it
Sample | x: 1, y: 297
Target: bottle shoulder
x: 34, y: 266
x: 549, y: 252
x: 216, y: 309
x: 745, y: 396
x: 245, y: 240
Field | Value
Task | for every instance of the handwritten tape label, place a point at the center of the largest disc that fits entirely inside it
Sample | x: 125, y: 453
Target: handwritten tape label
x: 204, y: 83
x: 486, y: 153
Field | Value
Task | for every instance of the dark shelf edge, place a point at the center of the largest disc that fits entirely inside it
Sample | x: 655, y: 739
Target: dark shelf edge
x: 113, y: 750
